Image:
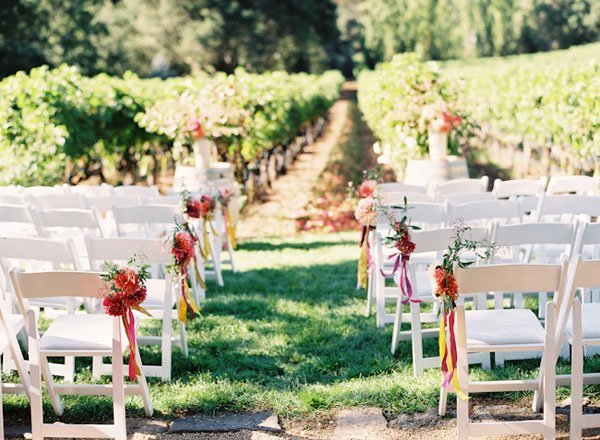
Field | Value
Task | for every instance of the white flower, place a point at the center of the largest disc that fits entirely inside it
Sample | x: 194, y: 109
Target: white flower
x: 410, y: 142
x: 377, y: 148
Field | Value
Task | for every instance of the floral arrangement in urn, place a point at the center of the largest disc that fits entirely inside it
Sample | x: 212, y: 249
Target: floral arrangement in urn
x: 439, y: 121
x: 409, y: 104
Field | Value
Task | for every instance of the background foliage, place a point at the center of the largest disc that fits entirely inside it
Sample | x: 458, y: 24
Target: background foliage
x: 546, y: 104
x: 174, y: 37
x: 57, y: 125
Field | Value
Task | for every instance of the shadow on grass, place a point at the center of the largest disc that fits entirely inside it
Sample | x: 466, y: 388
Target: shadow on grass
x: 270, y: 246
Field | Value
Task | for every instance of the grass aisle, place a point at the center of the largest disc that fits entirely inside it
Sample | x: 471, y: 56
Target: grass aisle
x: 288, y: 334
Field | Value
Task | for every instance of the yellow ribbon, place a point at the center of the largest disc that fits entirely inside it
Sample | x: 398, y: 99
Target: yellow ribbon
x: 198, y: 276
x: 183, y: 305
x: 449, y: 362
x: 363, y: 265
x: 230, y: 228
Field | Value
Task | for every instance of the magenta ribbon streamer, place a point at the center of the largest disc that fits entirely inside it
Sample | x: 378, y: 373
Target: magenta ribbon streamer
x: 404, y: 282
x: 129, y: 322
x: 448, y: 375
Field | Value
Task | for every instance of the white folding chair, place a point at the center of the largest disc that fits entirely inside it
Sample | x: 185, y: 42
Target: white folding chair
x: 80, y: 336
x: 581, y: 185
x: 425, y: 215
x: 57, y: 201
x: 10, y: 350
x: 11, y: 190
x: 456, y: 186
x: 102, y: 190
x: 481, y: 331
x: 13, y: 199
x: 152, y: 221
x: 401, y: 187
x: 17, y: 221
x: 587, y: 245
x: 580, y: 325
x: 456, y: 198
x: 526, y: 191
x: 162, y: 295
x: 524, y: 243
x: 429, y: 249
x: 43, y: 190
x: 135, y: 191
x: 505, y: 189
x: 75, y: 223
x: 146, y: 221
x: 566, y: 208
x: 41, y: 254
x: 170, y: 200
x: 483, y: 212
x: 396, y: 198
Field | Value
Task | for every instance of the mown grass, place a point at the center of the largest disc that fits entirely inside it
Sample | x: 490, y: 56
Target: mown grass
x: 287, y: 334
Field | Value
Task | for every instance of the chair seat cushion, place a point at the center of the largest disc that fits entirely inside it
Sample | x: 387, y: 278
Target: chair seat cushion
x: 590, y: 313
x: 501, y: 327
x: 155, y: 294
x: 80, y: 333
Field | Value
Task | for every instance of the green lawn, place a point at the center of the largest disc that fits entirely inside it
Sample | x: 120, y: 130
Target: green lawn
x: 286, y: 334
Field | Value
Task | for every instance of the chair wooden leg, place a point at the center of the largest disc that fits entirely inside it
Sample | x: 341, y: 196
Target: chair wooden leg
x: 417, y: 339
x: 576, y: 421
x: 542, y: 300
x: 369, y: 293
x: 462, y: 405
x: 118, y: 383
x: 143, y: 384
x: 69, y: 369
x: 35, y: 392
x: 183, y: 337
x: 166, y: 347
x: 442, y: 407
x: 231, y: 252
x: 397, y: 324
x: 1, y: 411
x: 215, y: 252
x: 550, y: 373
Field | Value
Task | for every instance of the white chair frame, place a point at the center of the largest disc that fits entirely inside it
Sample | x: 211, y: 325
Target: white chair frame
x: 89, y: 285
x: 153, y: 252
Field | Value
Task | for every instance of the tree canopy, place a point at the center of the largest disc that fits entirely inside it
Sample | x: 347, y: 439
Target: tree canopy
x: 173, y: 37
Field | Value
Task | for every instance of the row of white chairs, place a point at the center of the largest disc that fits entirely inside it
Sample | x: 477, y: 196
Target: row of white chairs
x: 523, y: 243
x: 465, y: 190
x: 45, y: 254
x: 142, y: 218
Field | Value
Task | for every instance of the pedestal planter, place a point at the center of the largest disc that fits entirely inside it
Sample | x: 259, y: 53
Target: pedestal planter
x: 424, y: 172
x: 438, y: 145
x: 203, y: 153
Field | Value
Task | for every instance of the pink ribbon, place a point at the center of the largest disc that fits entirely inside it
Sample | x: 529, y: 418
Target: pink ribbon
x: 129, y: 324
x: 403, y: 282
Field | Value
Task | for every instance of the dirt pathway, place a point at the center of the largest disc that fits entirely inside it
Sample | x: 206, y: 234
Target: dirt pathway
x: 291, y: 192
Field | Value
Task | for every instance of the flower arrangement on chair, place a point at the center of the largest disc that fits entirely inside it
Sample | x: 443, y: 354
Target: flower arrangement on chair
x: 225, y: 195
x: 401, y: 240
x: 366, y: 214
x: 204, y: 209
x: 125, y: 292
x: 446, y: 291
x: 183, y: 242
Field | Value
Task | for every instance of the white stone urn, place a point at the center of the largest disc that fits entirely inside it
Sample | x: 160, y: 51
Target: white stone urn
x: 204, y: 151
x: 438, y: 145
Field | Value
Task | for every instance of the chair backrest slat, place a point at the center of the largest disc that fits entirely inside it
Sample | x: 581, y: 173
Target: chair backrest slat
x: 504, y: 189
x: 509, y: 278
x: 151, y: 250
x: 31, y: 285
x: 572, y: 184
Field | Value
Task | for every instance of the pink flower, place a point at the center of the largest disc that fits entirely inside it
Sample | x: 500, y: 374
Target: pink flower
x: 195, y: 128
x: 367, y: 188
x: 366, y: 212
